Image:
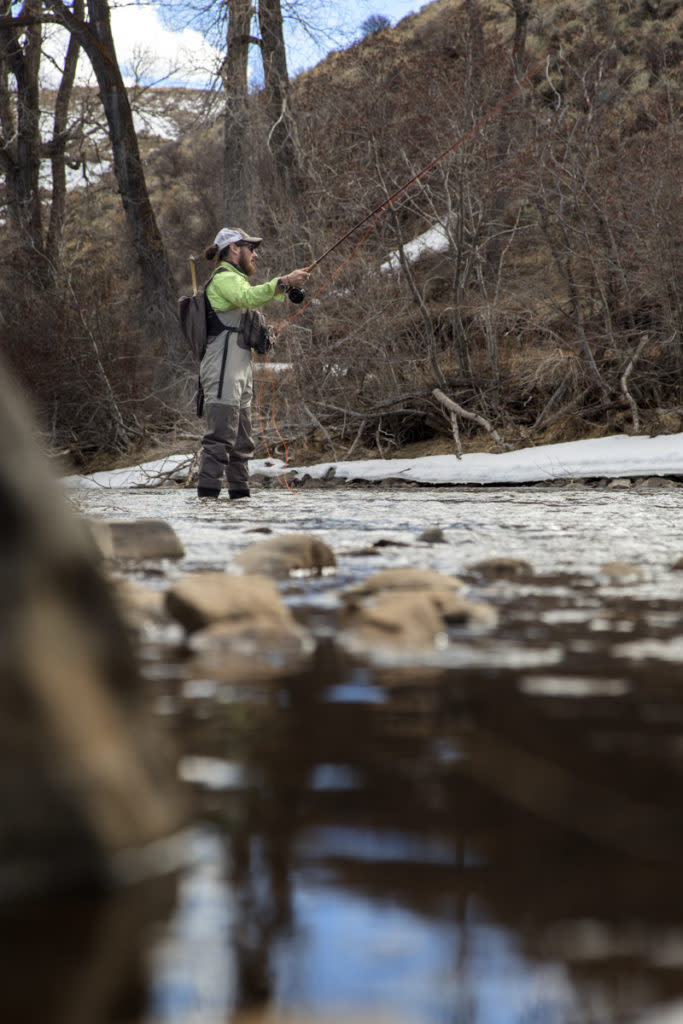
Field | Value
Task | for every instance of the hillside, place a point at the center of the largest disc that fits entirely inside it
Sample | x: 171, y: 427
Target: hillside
x: 551, y: 306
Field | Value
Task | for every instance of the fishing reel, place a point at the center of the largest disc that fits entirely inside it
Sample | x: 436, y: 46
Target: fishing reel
x: 296, y: 295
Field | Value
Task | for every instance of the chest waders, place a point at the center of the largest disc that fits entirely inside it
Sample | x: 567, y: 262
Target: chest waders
x: 226, y: 376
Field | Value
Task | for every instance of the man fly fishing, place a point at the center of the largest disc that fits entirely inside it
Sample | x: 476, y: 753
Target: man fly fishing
x: 226, y: 372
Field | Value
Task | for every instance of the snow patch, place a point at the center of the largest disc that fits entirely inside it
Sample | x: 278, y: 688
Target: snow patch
x: 610, y: 457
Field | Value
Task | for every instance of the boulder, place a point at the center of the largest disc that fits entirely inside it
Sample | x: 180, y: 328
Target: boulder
x: 502, y: 568
x: 85, y: 773
x: 457, y: 610
x: 239, y: 653
x: 201, y: 599
x: 619, y: 484
x: 243, y: 617
x: 433, y: 535
x: 407, y: 610
x: 137, y: 540
x: 619, y: 572
x: 400, y: 621
x: 405, y: 579
x: 657, y: 482
x: 279, y: 556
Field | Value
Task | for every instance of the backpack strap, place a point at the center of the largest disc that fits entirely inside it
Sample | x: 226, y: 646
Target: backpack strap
x: 213, y: 325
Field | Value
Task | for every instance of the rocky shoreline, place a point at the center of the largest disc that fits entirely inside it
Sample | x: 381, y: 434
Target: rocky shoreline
x: 331, y: 481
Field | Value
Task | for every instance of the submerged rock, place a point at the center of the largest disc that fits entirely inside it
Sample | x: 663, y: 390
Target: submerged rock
x: 405, y: 579
x: 502, y: 568
x: 620, y: 572
x: 407, y: 610
x: 457, y: 610
x: 433, y: 535
x: 241, y: 629
x: 238, y: 654
x: 278, y: 556
x: 399, y: 621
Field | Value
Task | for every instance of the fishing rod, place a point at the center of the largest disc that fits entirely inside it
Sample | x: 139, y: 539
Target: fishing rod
x: 297, y: 295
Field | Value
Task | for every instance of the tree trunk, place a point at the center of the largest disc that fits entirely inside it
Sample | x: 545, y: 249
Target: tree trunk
x: 20, y: 139
x: 282, y: 137
x: 96, y: 38
x: 58, y: 147
x: 522, y: 10
x: 236, y: 206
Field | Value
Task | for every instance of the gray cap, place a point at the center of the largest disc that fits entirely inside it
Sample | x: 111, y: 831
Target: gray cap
x: 226, y: 236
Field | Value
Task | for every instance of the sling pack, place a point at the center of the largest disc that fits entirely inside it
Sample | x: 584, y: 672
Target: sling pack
x: 195, y: 313
x: 256, y: 332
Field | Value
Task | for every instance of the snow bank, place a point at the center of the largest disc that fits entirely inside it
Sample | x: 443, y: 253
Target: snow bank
x: 616, y: 456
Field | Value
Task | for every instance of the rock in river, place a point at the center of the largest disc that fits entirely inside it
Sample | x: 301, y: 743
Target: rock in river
x: 278, y: 556
x: 407, y: 610
x: 137, y: 540
x: 85, y: 775
x: 209, y: 597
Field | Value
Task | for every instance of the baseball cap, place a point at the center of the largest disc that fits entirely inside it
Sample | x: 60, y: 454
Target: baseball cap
x: 227, y: 236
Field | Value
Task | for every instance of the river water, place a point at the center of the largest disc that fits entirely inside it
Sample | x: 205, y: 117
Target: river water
x: 488, y: 834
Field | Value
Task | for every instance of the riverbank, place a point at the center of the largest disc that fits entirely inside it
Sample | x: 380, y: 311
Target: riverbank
x: 610, y: 460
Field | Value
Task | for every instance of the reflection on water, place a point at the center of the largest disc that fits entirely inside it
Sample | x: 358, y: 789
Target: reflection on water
x: 495, y: 837
x: 191, y: 966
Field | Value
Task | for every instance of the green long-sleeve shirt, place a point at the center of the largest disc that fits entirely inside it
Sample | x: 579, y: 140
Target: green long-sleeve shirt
x: 233, y: 291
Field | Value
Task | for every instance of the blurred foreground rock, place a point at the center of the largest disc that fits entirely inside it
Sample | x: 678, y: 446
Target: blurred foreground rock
x: 209, y: 597
x: 84, y: 774
x: 136, y: 540
x: 407, y: 610
x: 241, y: 629
x: 278, y: 556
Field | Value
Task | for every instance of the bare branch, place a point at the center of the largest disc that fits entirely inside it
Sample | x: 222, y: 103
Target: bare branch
x: 624, y: 383
x: 455, y: 408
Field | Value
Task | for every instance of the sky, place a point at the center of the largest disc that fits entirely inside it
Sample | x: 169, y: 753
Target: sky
x: 144, y: 32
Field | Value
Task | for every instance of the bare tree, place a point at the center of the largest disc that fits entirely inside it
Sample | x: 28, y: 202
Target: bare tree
x: 522, y: 10
x: 95, y: 36
x: 57, y: 146
x: 234, y: 73
x: 22, y: 147
x: 20, y: 141
x: 282, y: 135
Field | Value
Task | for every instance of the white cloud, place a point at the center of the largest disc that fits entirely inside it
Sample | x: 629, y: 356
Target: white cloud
x: 143, y: 41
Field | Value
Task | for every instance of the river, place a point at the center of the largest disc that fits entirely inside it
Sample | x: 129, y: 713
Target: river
x: 488, y: 834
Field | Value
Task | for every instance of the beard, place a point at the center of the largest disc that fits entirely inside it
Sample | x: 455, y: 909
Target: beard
x: 246, y: 262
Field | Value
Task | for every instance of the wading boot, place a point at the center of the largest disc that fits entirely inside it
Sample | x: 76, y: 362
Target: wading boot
x: 208, y: 492
x: 239, y: 494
